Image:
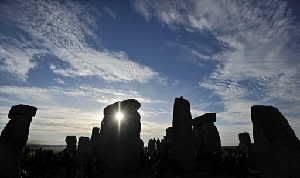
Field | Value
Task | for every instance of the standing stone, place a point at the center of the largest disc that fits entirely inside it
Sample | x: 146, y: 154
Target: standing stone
x: 120, y: 140
x: 84, y: 145
x: 71, y: 142
x: 169, y: 143
x: 95, y: 140
x: 13, y: 139
x: 69, y: 156
x: 157, y: 143
x: 84, y: 149
x: 95, y: 134
x: 206, y: 135
x: 276, y: 146
x: 151, y: 145
x: 170, y: 135
x: 163, y: 149
x: 182, y: 151
x: 245, y: 143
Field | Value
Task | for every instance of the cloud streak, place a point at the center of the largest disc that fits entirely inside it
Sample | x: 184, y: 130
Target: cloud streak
x: 259, y: 58
x: 258, y: 42
x: 67, y: 31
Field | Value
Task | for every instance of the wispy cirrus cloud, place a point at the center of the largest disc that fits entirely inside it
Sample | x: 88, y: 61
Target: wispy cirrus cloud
x: 53, y: 95
x: 66, y: 30
x: 258, y: 58
x: 258, y: 40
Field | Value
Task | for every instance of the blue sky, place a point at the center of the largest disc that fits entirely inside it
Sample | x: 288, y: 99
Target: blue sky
x: 72, y: 58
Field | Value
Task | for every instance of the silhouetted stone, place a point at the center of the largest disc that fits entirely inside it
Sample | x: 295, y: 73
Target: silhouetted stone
x: 244, y: 138
x: 84, y: 150
x: 170, y: 135
x: 157, y: 143
x: 71, y: 144
x: 182, y: 149
x: 276, y: 145
x: 69, y: 156
x: 95, y: 134
x: 120, y: 145
x: 206, y: 135
x: 206, y: 118
x: 13, y: 138
x: 84, y: 145
x: 151, y: 145
x: 95, y: 140
x: 245, y: 142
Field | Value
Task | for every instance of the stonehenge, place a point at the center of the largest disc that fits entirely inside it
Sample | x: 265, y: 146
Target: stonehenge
x: 188, y: 145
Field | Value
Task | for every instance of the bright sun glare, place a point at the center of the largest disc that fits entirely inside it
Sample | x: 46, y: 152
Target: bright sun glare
x: 119, y: 116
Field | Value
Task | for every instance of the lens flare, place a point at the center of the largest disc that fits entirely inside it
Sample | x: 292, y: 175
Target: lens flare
x: 119, y: 116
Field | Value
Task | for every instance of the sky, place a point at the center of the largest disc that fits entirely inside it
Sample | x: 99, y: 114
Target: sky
x: 72, y: 58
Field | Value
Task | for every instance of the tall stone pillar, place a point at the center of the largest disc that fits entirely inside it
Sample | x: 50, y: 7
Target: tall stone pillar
x: 13, y: 139
x: 95, y: 141
x: 120, y: 139
x: 182, y: 149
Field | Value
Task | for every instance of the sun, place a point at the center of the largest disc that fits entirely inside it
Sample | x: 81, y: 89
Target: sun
x: 119, y: 116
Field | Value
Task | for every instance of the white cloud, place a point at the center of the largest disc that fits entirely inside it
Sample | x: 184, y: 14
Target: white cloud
x: 111, y: 66
x: 17, y: 60
x: 59, y: 81
x: 62, y: 29
x: 259, y: 44
x: 259, y: 40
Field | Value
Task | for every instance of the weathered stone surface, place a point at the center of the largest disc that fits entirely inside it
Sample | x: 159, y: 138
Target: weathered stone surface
x: 13, y: 138
x: 276, y: 145
x: 182, y: 150
x: 71, y: 142
x: 120, y: 143
x: 206, y: 135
